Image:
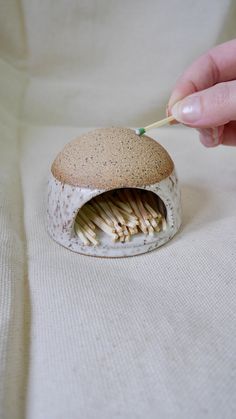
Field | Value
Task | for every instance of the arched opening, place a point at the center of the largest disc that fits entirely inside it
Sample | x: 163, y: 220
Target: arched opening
x: 119, y: 216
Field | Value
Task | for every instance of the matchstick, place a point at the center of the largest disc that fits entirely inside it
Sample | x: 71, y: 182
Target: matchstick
x: 121, y: 215
x: 142, y: 210
x: 104, y: 204
x: 100, y: 223
x: 151, y: 210
x: 141, y: 131
x: 86, y: 228
x: 89, y: 233
x: 122, y: 205
x: 84, y: 217
x: 117, y: 213
x: 102, y: 213
x: 164, y: 224
x: 153, y: 222
x: 136, y: 210
x: 81, y: 235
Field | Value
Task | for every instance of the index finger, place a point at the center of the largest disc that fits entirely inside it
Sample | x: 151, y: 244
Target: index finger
x: 215, y: 66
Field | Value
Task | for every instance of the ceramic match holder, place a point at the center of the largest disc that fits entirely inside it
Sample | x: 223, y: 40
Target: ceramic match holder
x: 112, y: 193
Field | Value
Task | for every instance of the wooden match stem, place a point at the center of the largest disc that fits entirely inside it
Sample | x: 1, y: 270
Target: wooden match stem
x: 117, y: 213
x: 122, y: 205
x: 80, y: 221
x: 160, y: 123
x: 121, y: 218
x: 105, y: 206
x: 102, y: 213
x: 86, y: 231
x: 81, y: 235
x: 142, y: 210
x: 84, y: 217
x: 100, y: 223
x: 136, y: 210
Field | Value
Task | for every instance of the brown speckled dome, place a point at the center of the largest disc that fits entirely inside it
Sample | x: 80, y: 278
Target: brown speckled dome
x: 109, y: 158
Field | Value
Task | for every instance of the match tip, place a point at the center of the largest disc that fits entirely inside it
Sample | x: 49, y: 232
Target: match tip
x: 140, y: 131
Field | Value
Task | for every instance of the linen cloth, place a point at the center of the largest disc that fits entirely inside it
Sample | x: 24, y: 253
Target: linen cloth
x: 151, y: 336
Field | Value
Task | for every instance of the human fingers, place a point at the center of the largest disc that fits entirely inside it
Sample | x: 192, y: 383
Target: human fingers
x: 215, y: 66
x: 208, y: 108
x: 212, y: 137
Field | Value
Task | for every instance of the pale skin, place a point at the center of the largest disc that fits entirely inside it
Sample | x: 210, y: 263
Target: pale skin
x: 204, y: 97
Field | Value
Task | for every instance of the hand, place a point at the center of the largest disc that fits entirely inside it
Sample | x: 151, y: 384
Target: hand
x: 204, y: 97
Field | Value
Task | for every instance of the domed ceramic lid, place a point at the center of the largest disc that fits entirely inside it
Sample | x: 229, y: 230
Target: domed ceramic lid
x: 109, y: 158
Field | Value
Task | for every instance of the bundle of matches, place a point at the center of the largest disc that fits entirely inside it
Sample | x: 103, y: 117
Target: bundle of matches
x: 121, y: 214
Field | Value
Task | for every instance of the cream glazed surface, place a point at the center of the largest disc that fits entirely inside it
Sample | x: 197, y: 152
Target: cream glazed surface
x: 64, y: 202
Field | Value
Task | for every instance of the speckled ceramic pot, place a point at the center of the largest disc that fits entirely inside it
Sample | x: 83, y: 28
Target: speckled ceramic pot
x: 103, y: 160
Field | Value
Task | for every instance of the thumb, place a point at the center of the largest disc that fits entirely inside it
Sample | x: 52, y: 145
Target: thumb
x: 208, y: 108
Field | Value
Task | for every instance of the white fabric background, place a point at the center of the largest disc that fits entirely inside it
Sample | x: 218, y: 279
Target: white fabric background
x: 144, y: 337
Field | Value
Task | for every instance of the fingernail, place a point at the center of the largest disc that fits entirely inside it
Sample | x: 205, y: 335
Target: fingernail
x: 209, y: 137
x: 207, y: 140
x: 216, y: 137
x: 187, y: 110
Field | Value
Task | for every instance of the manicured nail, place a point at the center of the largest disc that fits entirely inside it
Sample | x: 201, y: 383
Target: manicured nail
x: 187, y: 110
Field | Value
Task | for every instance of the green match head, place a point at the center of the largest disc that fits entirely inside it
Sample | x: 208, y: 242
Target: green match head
x: 140, y: 131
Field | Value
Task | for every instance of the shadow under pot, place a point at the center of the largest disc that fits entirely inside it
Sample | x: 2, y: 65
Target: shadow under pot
x: 112, y: 193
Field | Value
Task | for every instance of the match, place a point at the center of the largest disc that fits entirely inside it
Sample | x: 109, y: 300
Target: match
x: 121, y: 214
